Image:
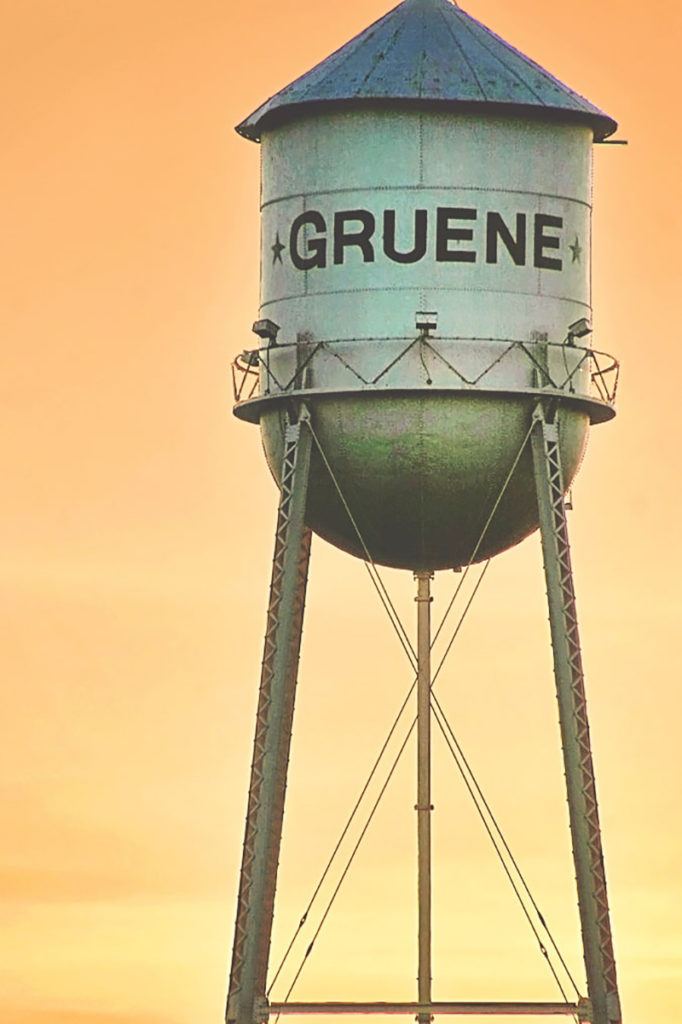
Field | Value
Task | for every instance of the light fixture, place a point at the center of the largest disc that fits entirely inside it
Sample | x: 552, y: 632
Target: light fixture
x: 250, y: 357
x: 579, y: 329
x: 267, y: 329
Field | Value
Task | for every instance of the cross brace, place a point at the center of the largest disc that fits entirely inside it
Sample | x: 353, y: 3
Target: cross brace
x: 430, y: 1008
x: 274, y: 718
x: 593, y: 905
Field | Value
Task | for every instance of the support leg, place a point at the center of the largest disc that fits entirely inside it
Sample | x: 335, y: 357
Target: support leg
x: 246, y: 1002
x: 600, y: 964
x: 424, y: 807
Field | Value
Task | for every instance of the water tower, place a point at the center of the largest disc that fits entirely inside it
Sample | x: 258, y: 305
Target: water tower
x: 424, y: 384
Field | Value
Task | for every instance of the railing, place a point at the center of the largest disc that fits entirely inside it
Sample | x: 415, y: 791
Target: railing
x: 253, y: 376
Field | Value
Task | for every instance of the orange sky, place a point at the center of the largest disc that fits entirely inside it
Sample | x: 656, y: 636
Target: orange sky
x: 137, y: 525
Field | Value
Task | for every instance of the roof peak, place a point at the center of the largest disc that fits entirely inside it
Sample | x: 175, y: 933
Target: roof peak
x: 431, y: 53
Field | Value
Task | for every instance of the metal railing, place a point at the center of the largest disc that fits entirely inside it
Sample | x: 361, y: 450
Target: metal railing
x: 253, y: 376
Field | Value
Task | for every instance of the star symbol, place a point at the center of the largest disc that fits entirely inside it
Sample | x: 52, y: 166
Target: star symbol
x: 277, y: 250
x: 576, y: 250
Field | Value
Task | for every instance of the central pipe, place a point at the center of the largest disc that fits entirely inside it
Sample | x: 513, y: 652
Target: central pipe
x: 423, y: 806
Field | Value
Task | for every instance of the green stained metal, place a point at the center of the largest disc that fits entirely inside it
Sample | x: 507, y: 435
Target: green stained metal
x: 421, y: 473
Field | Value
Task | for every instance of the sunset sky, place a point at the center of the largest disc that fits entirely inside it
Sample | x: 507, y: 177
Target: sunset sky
x: 137, y: 528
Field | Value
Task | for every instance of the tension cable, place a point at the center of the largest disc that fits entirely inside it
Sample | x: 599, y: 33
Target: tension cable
x: 499, y: 843
x: 355, y: 810
x: 369, y: 563
x: 488, y: 521
x: 345, y: 871
x: 445, y: 728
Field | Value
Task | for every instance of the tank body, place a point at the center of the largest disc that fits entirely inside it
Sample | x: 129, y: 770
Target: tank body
x: 425, y: 259
x: 386, y: 214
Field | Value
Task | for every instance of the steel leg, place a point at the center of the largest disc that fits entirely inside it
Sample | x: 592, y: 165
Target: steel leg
x: 246, y: 1003
x: 600, y: 963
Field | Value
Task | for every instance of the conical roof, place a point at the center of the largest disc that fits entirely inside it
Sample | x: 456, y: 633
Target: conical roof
x: 430, y: 53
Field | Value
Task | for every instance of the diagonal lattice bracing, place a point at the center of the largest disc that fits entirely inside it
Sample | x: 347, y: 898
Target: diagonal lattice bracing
x: 582, y: 796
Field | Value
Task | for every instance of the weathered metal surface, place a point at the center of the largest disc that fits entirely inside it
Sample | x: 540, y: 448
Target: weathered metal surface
x: 429, y: 167
x: 370, y: 217
x: 429, y: 52
x: 600, y: 964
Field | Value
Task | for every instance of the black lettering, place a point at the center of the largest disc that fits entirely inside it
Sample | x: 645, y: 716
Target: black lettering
x: 446, y: 234
x: 362, y: 238
x: 316, y: 248
x: 418, y: 251
x: 516, y: 247
x: 541, y: 241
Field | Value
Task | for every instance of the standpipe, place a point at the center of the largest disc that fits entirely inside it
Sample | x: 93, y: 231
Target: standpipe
x: 424, y: 806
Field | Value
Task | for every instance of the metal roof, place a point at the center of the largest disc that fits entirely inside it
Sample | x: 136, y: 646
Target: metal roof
x: 429, y: 53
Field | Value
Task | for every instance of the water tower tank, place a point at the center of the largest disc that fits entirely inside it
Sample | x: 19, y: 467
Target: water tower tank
x: 426, y: 203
